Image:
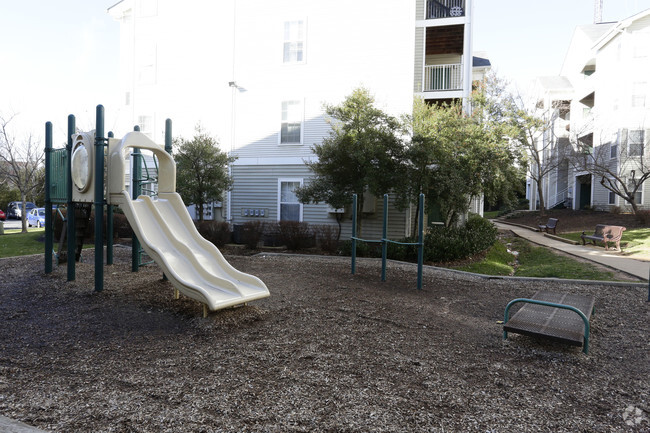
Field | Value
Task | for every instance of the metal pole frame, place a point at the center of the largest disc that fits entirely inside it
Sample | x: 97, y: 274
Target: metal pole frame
x: 100, y: 141
x: 109, y: 226
x: 384, y: 236
x: 136, y: 190
x: 49, y: 242
x: 70, y: 217
x: 354, y: 234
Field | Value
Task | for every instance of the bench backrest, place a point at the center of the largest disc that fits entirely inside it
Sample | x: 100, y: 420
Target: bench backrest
x: 552, y: 222
x: 613, y: 233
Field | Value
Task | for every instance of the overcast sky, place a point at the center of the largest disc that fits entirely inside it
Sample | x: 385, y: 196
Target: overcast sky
x: 61, y: 57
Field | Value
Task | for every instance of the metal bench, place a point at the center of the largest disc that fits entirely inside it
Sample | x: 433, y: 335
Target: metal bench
x: 604, y: 233
x: 550, y: 225
x: 559, y: 316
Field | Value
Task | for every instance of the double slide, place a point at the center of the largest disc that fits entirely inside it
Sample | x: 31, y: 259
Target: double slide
x: 167, y: 233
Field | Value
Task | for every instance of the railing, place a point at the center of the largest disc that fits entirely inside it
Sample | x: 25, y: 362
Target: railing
x: 444, y: 9
x: 559, y: 198
x: 443, y: 77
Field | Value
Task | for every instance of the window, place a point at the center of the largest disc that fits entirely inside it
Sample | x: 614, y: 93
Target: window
x: 638, y: 94
x: 290, y: 209
x: 612, y: 198
x: 146, y: 63
x: 635, y: 142
x: 291, y: 128
x: 146, y: 124
x: 613, y: 150
x: 638, y: 195
x: 294, y: 42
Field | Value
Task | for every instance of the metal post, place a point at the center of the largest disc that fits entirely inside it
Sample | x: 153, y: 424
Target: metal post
x: 168, y: 149
x: 48, y: 198
x: 384, y: 236
x: 70, y: 227
x: 109, y: 226
x: 420, y: 241
x: 354, y: 233
x: 99, y: 199
x: 135, y: 188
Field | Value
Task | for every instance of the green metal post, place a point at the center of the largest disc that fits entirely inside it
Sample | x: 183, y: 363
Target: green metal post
x: 168, y: 149
x: 71, y: 224
x: 354, y: 233
x: 384, y: 236
x: 420, y: 241
x: 99, y: 199
x: 135, y: 188
x: 109, y: 225
x: 49, y: 241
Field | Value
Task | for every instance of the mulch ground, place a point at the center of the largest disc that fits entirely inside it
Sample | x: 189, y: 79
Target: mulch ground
x: 326, y: 352
x: 576, y: 221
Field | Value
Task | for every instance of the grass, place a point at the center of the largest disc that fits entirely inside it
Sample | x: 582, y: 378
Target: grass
x: 14, y: 243
x: 534, y: 261
x: 635, y: 242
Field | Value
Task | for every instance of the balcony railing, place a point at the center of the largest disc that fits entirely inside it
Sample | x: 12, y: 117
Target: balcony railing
x: 445, y: 9
x: 443, y: 77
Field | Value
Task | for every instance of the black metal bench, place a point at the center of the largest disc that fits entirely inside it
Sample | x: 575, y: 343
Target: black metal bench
x: 604, y: 233
x: 550, y: 225
x: 562, y: 317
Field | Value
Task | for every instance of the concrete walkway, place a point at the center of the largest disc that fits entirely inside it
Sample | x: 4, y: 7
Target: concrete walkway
x: 611, y: 258
x: 10, y: 426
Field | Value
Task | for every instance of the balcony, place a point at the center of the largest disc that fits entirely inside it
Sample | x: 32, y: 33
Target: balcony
x: 444, y: 9
x: 443, y: 77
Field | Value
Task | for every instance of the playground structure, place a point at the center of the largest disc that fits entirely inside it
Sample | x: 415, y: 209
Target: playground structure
x: 384, y: 241
x: 92, y: 169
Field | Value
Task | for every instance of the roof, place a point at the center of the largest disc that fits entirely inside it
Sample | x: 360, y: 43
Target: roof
x: 556, y: 82
x: 480, y: 62
x: 616, y: 28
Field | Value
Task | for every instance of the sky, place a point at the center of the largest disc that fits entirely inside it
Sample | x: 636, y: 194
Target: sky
x: 61, y: 57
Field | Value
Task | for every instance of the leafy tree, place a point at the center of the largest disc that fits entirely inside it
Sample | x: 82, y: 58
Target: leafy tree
x: 21, y: 164
x: 363, y: 153
x: 529, y: 126
x: 454, y: 157
x: 202, y: 170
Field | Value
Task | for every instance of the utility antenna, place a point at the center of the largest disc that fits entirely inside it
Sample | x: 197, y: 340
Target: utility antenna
x: 598, y: 11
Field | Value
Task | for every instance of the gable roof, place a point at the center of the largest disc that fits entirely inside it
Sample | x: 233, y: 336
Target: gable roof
x: 618, y: 28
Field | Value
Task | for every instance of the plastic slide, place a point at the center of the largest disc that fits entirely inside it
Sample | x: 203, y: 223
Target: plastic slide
x: 168, y: 235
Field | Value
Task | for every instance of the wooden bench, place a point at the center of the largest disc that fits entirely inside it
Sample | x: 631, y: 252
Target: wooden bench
x: 605, y: 233
x: 550, y: 225
x: 559, y: 316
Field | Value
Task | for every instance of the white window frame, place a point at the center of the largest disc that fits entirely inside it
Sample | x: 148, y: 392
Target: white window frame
x: 630, y: 143
x: 609, y: 197
x: 613, y: 150
x: 300, y: 118
x: 639, y: 191
x: 639, y: 94
x: 287, y: 180
x: 289, y: 38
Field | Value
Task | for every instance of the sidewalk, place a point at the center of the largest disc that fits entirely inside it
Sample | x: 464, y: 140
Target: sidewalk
x: 10, y: 426
x: 611, y: 258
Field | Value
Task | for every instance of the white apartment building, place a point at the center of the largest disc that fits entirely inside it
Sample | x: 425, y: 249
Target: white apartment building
x: 256, y: 74
x: 600, y: 110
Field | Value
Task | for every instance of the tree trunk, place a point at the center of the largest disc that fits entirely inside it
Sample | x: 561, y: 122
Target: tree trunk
x: 540, y: 195
x: 199, y: 208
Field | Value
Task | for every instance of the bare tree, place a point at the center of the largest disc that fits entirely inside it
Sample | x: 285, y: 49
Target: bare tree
x: 20, y: 164
x: 621, y: 165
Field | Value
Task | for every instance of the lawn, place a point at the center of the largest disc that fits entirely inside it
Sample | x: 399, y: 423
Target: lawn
x: 14, y: 243
x: 533, y: 261
x: 635, y: 242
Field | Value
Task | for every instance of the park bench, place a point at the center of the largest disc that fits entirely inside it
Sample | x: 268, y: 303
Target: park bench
x: 605, y: 233
x: 562, y: 317
x: 550, y: 225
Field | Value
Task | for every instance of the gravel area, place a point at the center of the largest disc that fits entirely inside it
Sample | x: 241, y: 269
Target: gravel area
x: 327, y: 352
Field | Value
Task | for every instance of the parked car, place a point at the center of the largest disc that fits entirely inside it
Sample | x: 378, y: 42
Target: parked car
x: 15, y: 209
x: 2, y: 215
x: 36, y: 217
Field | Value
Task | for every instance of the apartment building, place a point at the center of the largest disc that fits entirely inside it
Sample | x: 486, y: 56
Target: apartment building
x: 599, y: 115
x: 256, y: 75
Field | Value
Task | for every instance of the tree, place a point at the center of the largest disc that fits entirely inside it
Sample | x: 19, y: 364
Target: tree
x: 201, y: 170
x: 454, y: 156
x: 363, y: 153
x: 621, y: 165
x: 20, y: 164
x: 530, y: 127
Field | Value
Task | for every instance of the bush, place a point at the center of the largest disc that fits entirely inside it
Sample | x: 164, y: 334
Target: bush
x: 445, y: 244
x: 217, y: 232
x: 643, y: 216
x: 295, y: 235
x: 364, y: 249
x: 252, y: 232
x: 327, y: 237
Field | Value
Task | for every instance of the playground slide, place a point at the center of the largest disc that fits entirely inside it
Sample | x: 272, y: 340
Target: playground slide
x: 194, y: 265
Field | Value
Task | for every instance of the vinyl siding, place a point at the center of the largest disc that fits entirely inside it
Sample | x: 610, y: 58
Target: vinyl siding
x: 419, y: 56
